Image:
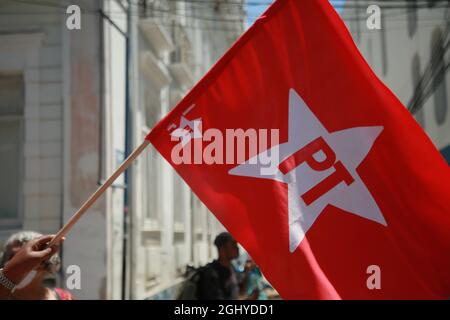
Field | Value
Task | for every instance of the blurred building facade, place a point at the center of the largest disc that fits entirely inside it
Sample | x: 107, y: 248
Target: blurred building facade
x: 73, y: 103
x: 410, y: 54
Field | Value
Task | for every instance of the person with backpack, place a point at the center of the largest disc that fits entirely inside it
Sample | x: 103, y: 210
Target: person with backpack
x: 218, y: 280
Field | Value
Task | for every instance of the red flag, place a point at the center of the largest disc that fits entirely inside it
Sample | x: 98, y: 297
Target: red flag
x: 354, y: 200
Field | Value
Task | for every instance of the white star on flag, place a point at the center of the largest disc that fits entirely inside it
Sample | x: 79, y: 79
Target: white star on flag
x: 186, y: 135
x: 350, y: 147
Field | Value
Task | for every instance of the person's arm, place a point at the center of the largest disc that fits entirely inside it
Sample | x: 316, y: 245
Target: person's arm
x: 26, y: 259
x: 243, y: 292
x: 243, y: 285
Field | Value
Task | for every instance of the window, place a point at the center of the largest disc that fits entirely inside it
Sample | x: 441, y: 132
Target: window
x: 199, y: 219
x: 431, y: 3
x: 151, y: 186
x: 446, y: 153
x: 384, y: 57
x: 412, y: 17
x: 179, y: 203
x: 417, y: 108
x: 370, y: 51
x: 151, y: 162
x: 11, y: 112
x: 438, y: 83
x: 357, y: 23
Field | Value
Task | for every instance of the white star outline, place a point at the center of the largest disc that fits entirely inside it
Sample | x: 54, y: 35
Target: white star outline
x: 351, y: 147
x: 186, y: 135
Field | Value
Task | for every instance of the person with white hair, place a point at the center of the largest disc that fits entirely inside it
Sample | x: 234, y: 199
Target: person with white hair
x: 32, y: 287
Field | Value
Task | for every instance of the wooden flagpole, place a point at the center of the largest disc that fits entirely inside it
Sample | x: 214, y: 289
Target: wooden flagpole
x: 77, y: 215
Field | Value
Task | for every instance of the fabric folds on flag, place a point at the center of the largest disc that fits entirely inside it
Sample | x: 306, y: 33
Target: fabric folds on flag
x: 357, y: 205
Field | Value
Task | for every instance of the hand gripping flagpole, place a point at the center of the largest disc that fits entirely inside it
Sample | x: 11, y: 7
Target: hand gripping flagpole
x: 66, y: 228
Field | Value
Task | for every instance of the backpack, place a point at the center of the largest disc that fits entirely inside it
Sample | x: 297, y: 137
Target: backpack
x: 189, y: 289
